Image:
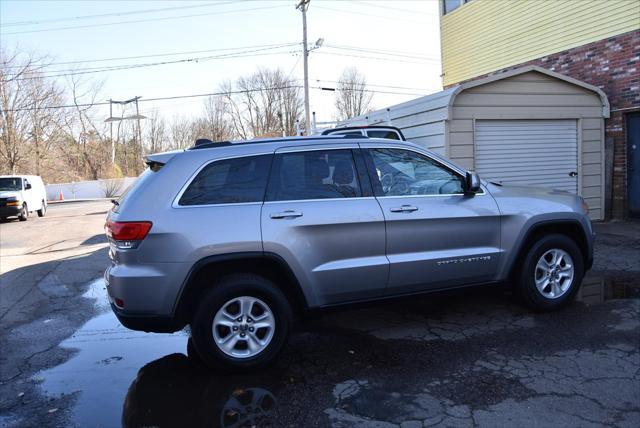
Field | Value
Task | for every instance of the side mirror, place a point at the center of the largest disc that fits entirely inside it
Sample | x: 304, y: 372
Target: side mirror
x: 472, y: 183
x: 27, y: 186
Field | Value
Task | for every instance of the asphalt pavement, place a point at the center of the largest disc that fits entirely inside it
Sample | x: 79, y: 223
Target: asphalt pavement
x: 472, y: 358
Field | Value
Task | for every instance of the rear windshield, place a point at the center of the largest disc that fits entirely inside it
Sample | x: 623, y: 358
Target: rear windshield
x: 146, y: 174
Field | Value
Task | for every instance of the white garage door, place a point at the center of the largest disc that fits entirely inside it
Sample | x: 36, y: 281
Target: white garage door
x: 528, y: 152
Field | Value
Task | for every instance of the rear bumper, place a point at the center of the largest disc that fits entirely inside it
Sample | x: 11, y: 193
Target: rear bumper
x: 146, y: 323
x: 142, y: 297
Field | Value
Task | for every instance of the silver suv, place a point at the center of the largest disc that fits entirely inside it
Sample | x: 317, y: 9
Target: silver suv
x: 233, y: 239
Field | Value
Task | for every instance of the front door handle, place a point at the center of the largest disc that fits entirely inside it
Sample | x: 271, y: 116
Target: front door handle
x: 286, y: 214
x: 404, y: 209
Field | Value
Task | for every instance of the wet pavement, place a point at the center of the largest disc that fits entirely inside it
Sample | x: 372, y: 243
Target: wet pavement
x: 473, y: 358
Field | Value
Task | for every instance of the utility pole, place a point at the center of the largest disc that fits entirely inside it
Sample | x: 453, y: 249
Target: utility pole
x: 137, y: 117
x: 113, y: 143
x: 303, y: 6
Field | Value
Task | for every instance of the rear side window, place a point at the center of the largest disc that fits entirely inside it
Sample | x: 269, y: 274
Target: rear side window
x: 321, y: 174
x: 389, y: 135
x: 229, y: 181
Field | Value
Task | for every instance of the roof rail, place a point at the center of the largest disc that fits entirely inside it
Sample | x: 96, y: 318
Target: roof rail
x: 204, y: 143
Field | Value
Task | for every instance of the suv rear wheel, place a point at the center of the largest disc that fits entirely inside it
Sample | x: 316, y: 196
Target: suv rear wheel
x: 243, y: 321
x: 551, y: 273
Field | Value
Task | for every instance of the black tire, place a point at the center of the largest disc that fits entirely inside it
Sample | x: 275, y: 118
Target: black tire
x: 526, y: 284
x: 42, y: 211
x: 24, y: 214
x: 222, y: 292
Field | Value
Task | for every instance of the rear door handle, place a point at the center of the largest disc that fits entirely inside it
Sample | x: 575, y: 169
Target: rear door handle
x: 404, y: 209
x: 286, y: 214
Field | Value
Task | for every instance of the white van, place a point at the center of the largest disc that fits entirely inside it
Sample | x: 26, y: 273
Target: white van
x: 21, y: 195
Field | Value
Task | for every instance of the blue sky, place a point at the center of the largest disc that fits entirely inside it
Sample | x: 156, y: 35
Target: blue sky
x: 409, y: 27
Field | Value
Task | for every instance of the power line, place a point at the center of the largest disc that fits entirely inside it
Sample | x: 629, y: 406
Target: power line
x: 211, y: 94
x: 384, y: 52
x: 371, y: 57
x: 381, y: 86
x: 105, y: 15
x: 359, y: 13
x: 142, y: 20
x: 159, y: 55
x: 385, y: 7
x: 241, y: 54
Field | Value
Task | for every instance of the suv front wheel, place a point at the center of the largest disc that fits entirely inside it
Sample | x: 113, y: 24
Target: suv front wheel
x: 551, y: 273
x: 243, y: 321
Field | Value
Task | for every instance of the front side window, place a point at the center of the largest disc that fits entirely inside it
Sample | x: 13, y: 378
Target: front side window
x: 229, y: 181
x: 321, y: 174
x: 406, y: 173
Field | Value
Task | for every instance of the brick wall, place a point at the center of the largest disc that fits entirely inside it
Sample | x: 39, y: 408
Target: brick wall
x: 613, y: 65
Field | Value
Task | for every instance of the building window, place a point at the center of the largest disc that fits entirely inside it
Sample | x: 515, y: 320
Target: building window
x: 449, y: 6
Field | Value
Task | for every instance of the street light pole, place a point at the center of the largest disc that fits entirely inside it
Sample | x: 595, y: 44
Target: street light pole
x: 303, y: 6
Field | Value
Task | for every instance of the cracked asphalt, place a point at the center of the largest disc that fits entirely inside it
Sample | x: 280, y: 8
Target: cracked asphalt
x: 459, y: 359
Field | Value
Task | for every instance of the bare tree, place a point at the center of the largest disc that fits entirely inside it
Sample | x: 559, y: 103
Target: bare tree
x: 45, y: 118
x: 181, y: 132
x: 265, y: 103
x: 156, y: 133
x: 15, y: 69
x: 216, y: 123
x: 85, y: 141
x: 352, y: 96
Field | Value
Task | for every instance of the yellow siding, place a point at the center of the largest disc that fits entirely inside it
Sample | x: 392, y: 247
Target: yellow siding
x: 488, y: 35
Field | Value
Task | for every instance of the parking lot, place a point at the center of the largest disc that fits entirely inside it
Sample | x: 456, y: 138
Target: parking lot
x: 472, y: 358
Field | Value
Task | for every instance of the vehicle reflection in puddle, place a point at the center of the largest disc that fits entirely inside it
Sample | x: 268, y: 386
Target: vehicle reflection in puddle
x: 173, y: 391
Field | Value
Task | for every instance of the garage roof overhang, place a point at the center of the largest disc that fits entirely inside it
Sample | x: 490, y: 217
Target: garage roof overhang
x: 472, y: 84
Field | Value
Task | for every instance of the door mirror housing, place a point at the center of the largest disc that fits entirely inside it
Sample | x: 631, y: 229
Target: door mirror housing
x: 472, y: 183
x: 27, y: 186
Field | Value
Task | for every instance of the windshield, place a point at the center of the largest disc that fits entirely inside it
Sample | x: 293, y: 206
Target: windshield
x: 10, y: 183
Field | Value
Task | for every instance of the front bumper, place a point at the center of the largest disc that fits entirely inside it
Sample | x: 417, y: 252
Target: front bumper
x: 10, y: 211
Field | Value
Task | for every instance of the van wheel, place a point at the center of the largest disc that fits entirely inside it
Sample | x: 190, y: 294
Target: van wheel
x: 551, y: 273
x: 242, y: 322
x: 42, y: 211
x: 24, y: 214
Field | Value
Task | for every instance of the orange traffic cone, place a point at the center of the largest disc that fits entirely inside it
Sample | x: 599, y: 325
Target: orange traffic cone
x: 61, y: 197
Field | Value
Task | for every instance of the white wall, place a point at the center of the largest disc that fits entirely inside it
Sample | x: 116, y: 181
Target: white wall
x: 85, y: 189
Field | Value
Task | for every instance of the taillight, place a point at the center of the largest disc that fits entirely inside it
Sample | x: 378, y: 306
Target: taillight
x: 127, y: 234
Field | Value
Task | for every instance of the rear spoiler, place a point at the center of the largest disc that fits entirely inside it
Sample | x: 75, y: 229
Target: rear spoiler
x: 158, y: 160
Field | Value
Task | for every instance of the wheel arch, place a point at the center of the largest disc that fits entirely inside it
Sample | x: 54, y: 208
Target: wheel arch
x: 268, y: 265
x: 568, y: 227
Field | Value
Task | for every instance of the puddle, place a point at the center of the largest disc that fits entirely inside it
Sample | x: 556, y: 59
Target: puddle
x: 115, y: 383
x: 122, y: 377
x: 599, y: 287
x: 108, y: 358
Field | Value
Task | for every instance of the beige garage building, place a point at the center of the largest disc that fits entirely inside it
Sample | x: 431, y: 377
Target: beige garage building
x: 529, y: 126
